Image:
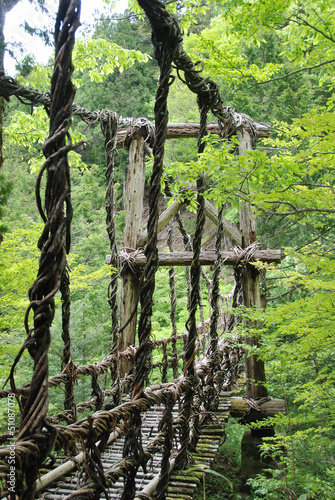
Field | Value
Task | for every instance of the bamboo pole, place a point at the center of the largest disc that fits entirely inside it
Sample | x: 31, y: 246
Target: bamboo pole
x: 68, y: 466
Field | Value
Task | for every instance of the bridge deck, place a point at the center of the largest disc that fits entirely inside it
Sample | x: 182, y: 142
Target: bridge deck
x: 180, y: 486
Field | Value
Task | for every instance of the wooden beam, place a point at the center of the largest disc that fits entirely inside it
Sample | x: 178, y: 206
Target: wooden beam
x: 187, y: 130
x: 163, y: 220
x: 228, y: 228
x: 206, y: 258
x: 254, y: 366
x: 131, y: 234
x: 211, y: 212
x: 269, y: 408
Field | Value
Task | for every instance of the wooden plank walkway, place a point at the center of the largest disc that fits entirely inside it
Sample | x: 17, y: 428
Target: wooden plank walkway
x: 204, y: 455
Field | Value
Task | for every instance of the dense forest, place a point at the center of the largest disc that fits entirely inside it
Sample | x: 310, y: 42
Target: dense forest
x: 274, y: 61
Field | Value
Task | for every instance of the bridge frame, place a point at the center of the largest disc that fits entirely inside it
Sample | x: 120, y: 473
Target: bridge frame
x: 134, y: 239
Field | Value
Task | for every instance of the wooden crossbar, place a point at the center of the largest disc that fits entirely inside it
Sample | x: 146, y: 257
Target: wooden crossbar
x: 206, y: 258
x: 185, y: 130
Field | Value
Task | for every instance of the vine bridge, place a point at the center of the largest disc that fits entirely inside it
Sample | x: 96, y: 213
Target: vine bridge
x: 168, y: 399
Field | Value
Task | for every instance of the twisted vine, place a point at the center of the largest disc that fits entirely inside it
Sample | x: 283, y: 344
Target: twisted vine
x: 54, y: 244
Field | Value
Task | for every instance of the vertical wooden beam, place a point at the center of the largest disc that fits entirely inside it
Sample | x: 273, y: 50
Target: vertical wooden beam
x: 131, y: 235
x: 254, y: 367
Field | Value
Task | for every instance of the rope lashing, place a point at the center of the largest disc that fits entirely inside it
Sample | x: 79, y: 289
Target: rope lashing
x: 243, y: 121
x: 245, y: 257
x: 247, y: 254
x: 128, y: 260
x: 253, y: 405
x: 148, y: 132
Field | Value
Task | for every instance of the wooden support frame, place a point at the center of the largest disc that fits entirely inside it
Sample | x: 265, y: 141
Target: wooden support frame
x: 134, y: 239
x: 131, y: 234
x: 254, y: 367
x: 211, y: 212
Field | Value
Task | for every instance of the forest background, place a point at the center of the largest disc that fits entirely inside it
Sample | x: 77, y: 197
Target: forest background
x: 272, y: 60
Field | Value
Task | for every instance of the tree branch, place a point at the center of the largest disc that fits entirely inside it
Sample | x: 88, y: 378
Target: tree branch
x: 303, y: 21
x: 305, y: 210
x: 281, y: 295
x: 307, y: 68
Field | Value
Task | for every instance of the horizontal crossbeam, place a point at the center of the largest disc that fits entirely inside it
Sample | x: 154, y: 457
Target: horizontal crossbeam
x: 206, y: 258
x: 187, y: 130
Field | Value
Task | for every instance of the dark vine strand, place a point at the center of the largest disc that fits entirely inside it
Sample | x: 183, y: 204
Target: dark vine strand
x: 188, y: 247
x: 173, y: 300
x: 54, y: 244
x: 166, y: 426
x: 189, y: 371
x: 67, y: 360
x: 212, y: 396
x: 215, y: 296
x: 165, y: 39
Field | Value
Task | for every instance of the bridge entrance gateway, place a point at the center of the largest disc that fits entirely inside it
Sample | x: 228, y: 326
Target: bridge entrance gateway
x: 143, y: 429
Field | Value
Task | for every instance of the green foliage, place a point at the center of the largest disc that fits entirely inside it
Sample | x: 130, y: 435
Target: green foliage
x: 28, y: 132
x: 308, y: 30
x: 19, y: 263
x: 225, y: 53
x: 5, y: 190
x: 99, y: 58
x: 241, y: 62
x: 285, y: 480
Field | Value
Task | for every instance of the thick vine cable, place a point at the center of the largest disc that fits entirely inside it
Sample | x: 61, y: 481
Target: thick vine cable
x: 212, y: 395
x: 165, y: 39
x: 173, y: 300
x: 54, y: 244
x: 189, y: 372
x: 109, y: 125
x: 67, y: 361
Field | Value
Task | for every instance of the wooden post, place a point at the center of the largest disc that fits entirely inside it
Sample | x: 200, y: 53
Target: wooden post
x: 254, y: 367
x: 131, y: 234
